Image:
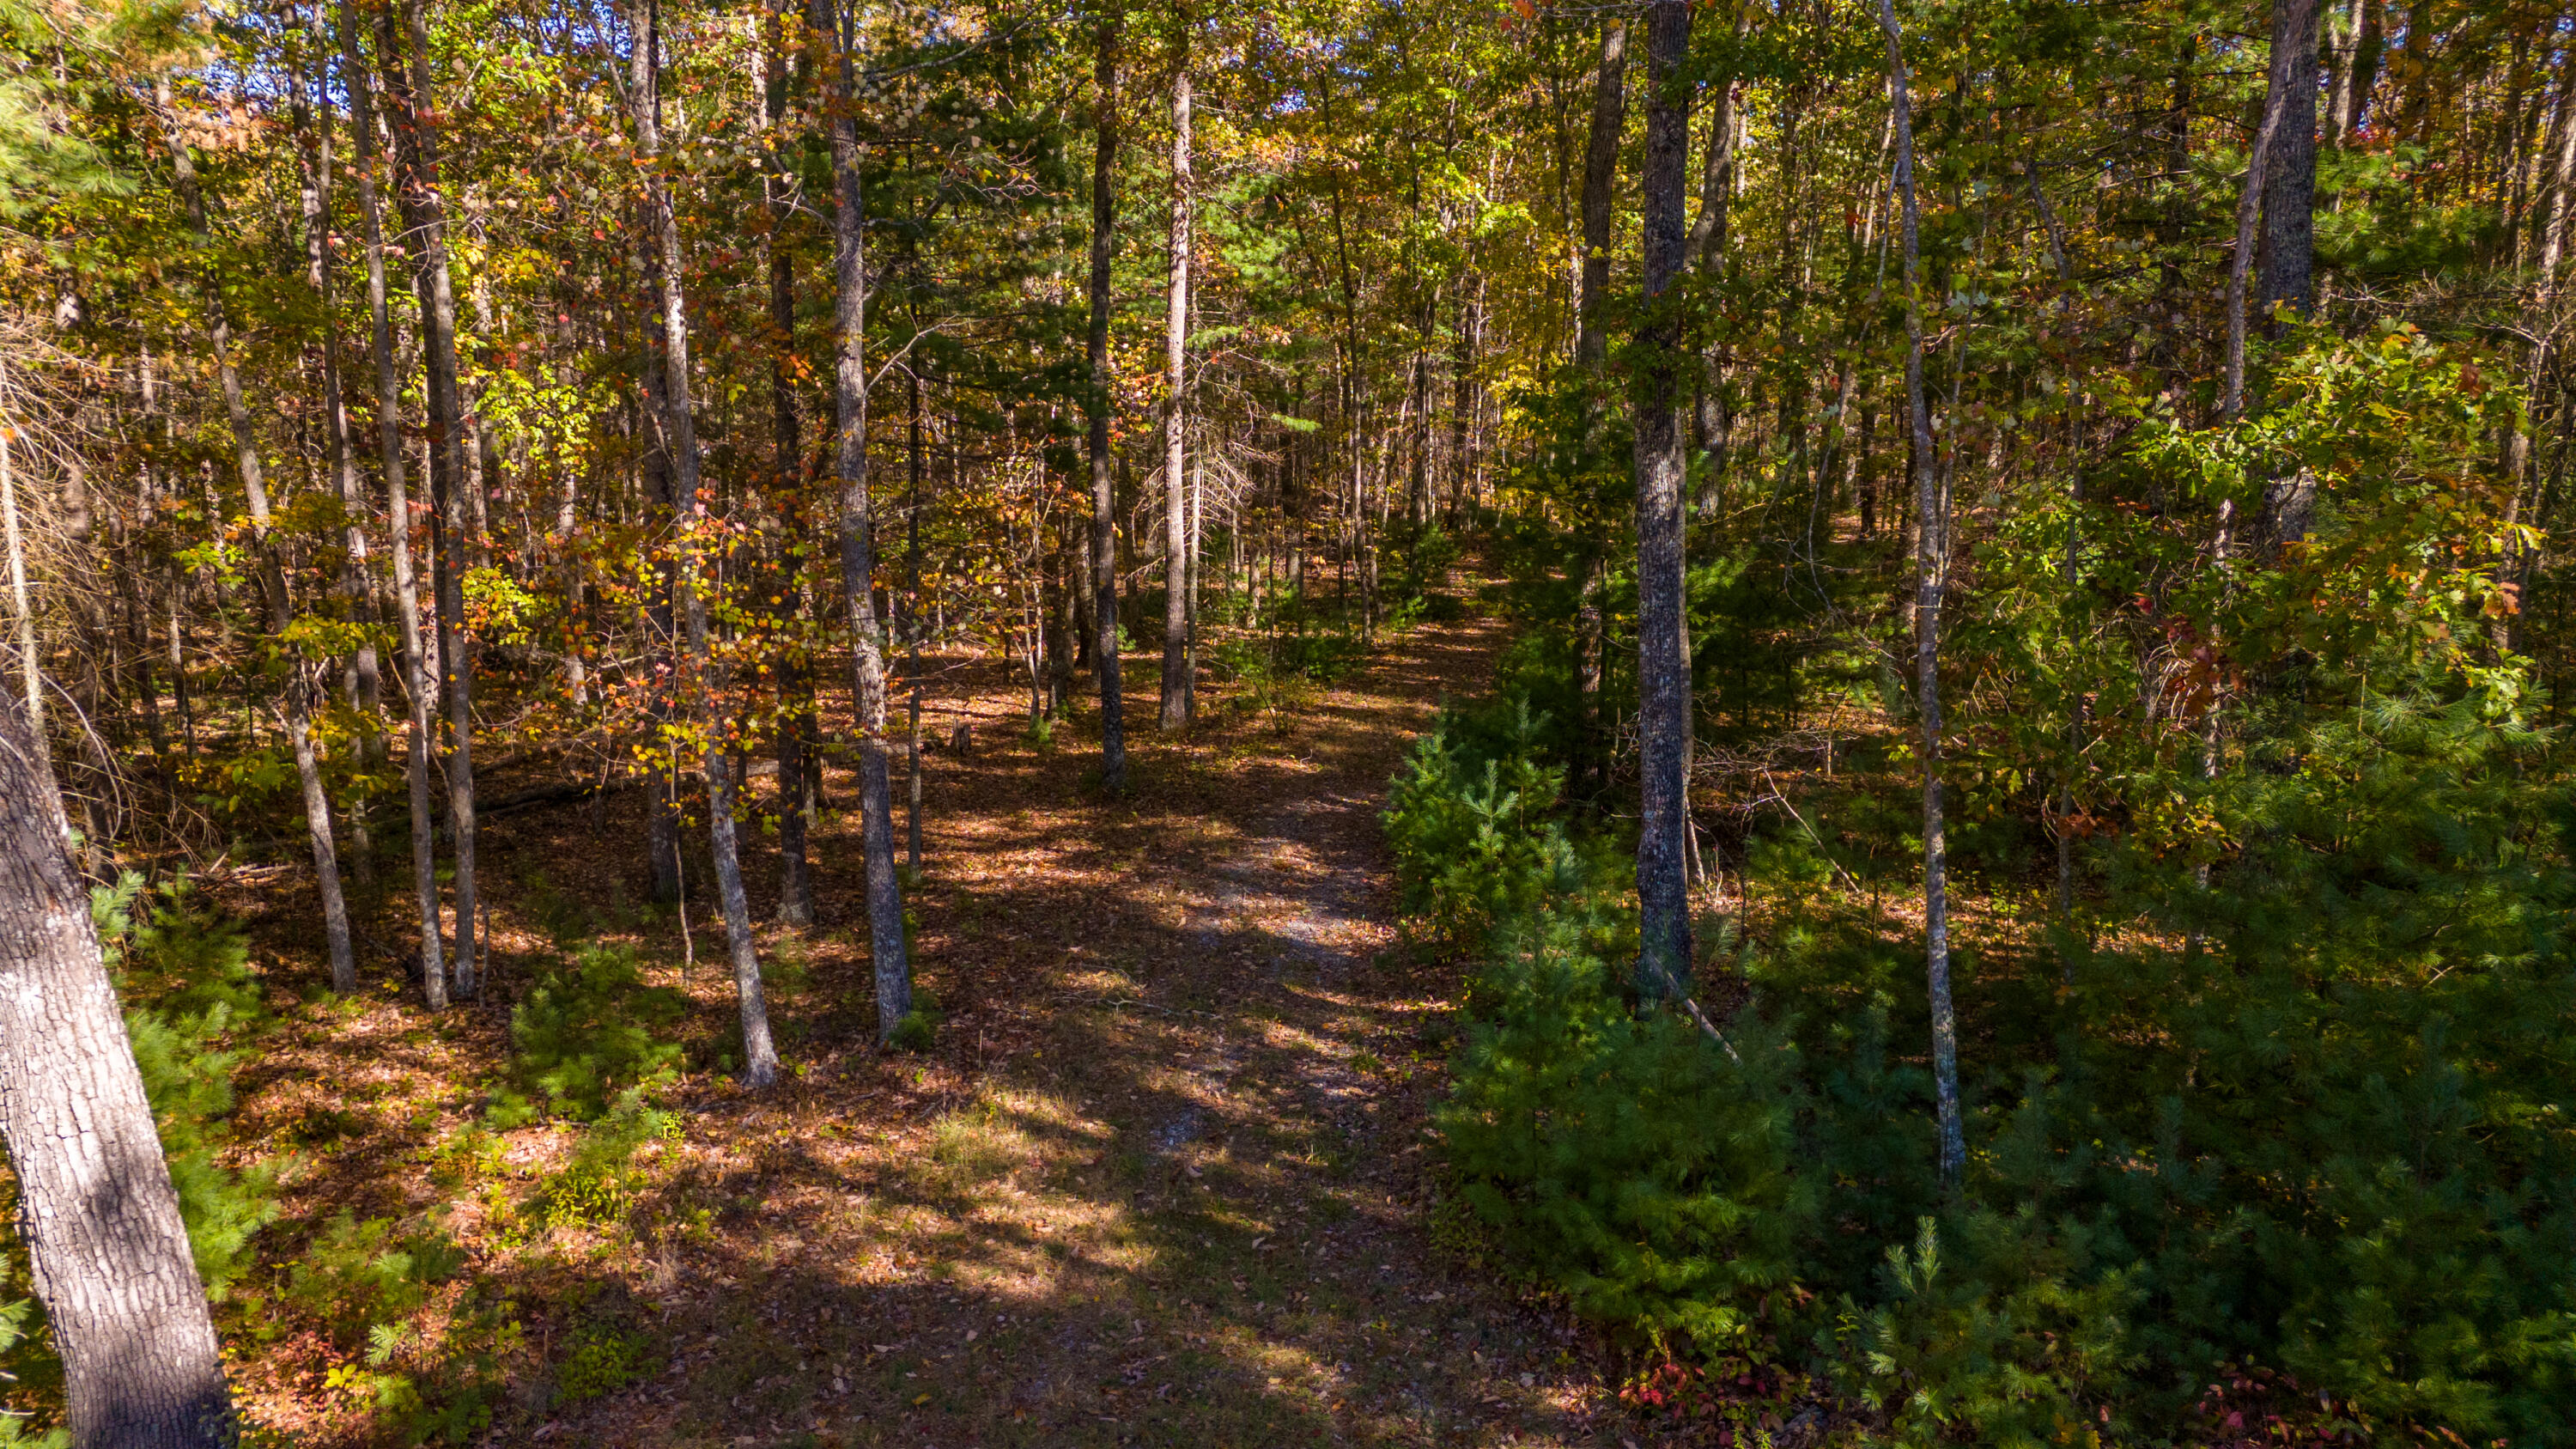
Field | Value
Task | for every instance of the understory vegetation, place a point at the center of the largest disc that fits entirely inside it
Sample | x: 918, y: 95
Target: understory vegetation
x: 2268, y: 1116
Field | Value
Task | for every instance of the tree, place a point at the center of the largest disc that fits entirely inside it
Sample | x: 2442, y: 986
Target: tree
x: 679, y: 422
x: 405, y: 54
x: 1176, y: 413
x: 414, y: 664
x: 1098, y: 401
x: 1931, y: 567
x: 96, y: 1207
x: 1662, y: 464
x: 850, y: 381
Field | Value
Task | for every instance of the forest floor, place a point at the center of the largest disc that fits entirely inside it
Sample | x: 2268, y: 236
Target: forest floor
x: 1164, y: 1177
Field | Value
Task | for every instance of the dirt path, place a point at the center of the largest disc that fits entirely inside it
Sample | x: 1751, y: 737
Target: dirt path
x: 1162, y: 1179
x: 1165, y: 1183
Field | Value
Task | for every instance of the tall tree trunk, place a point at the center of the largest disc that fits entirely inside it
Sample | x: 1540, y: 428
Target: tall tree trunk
x: 272, y: 574
x: 1929, y: 569
x: 911, y: 626
x: 426, y: 213
x: 2293, y: 17
x: 96, y: 1206
x: 795, y: 669
x: 1663, y: 661
x: 1600, y: 177
x: 2415, y: 116
x: 2359, y: 74
x: 314, y: 149
x: 1176, y: 420
x: 1097, y: 402
x: 680, y: 434
x: 415, y: 672
x: 858, y: 545
x: 2290, y: 184
x: 662, y: 810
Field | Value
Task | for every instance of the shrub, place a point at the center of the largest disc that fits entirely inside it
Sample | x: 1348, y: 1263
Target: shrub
x: 602, y: 1361
x: 596, y: 1189
x: 2298, y: 1134
x: 427, y: 1354
x: 185, y: 973
x: 588, y: 1031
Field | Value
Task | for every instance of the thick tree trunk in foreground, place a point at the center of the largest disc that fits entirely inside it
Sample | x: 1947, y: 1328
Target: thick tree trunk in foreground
x: 1096, y: 405
x: 1176, y: 528
x: 1932, y: 533
x: 886, y: 946
x: 96, y: 1208
x: 680, y: 434
x: 1663, y: 663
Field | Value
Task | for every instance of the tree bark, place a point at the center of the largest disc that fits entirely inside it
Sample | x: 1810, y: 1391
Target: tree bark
x: 2290, y: 183
x: 96, y: 1206
x: 2359, y: 74
x: 759, y: 1056
x: 1663, y: 663
x: 795, y: 669
x: 1932, y: 533
x: 426, y: 215
x: 2293, y: 17
x: 858, y: 545
x: 1097, y: 402
x: 1176, y: 622
x: 662, y: 809
x: 1600, y: 177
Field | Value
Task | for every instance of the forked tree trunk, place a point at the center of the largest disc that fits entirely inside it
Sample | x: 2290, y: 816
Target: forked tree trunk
x: 1097, y: 402
x: 407, y: 59
x: 1663, y: 663
x: 680, y: 435
x: 1932, y: 533
x: 415, y: 672
x: 96, y: 1207
x: 886, y: 946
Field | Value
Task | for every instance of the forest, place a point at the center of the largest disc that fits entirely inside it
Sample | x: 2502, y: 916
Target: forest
x: 1845, y: 730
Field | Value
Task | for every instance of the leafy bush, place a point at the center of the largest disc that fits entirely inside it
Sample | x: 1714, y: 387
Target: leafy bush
x: 588, y: 1031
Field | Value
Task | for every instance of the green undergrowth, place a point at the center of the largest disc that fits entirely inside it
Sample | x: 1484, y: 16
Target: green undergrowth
x: 2298, y: 1144
x: 589, y: 1029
